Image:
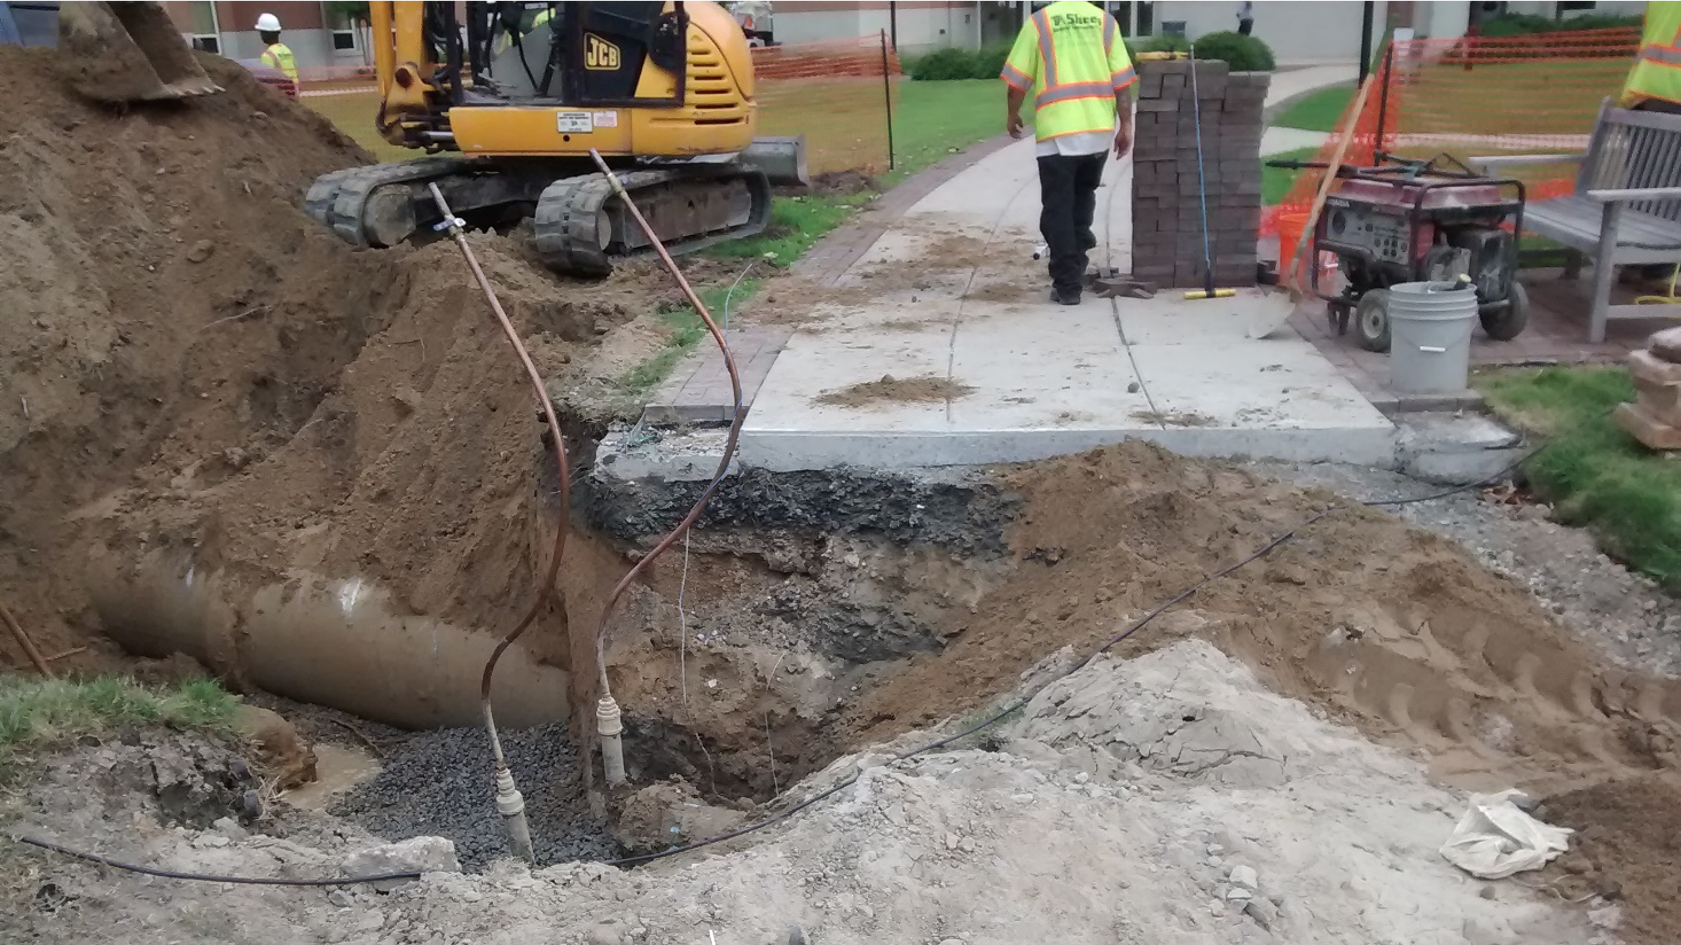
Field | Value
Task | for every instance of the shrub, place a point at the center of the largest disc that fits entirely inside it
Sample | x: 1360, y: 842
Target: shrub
x: 1525, y: 24
x: 1242, y: 53
x: 989, y: 62
x: 943, y: 65
x: 1167, y: 42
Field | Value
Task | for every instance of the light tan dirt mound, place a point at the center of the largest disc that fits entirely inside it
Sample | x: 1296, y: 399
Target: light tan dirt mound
x: 188, y: 363
x: 1397, y: 629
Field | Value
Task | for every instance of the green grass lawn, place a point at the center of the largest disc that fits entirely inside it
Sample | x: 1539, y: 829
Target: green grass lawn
x: 41, y: 713
x: 934, y: 118
x: 1277, y: 181
x: 1596, y: 475
x: 1318, y: 110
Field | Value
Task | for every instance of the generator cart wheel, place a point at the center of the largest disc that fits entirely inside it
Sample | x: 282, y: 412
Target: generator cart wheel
x: 1371, y: 320
x: 1504, y: 324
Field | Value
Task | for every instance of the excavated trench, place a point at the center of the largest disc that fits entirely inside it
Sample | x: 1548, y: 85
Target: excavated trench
x: 812, y: 614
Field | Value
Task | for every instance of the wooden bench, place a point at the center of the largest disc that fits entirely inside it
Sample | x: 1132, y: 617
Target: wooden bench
x: 1626, y: 209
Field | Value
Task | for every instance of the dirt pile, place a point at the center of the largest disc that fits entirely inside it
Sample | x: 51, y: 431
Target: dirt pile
x: 192, y: 368
x: 1627, y: 848
x: 796, y: 638
x: 1393, y: 627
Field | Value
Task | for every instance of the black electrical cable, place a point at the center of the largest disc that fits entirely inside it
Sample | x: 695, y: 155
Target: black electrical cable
x: 209, y: 878
x: 852, y: 778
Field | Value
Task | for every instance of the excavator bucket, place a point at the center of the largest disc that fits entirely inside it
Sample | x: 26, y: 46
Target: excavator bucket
x: 126, y: 52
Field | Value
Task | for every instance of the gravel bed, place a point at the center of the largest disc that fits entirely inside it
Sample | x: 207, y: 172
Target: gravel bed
x: 441, y: 783
x: 1622, y: 612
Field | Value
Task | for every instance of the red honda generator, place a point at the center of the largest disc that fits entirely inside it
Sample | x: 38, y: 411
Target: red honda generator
x: 1410, y: 220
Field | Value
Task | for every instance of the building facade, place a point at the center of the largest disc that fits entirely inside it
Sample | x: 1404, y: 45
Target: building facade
x: 324, y: 34
x: 319, y: 34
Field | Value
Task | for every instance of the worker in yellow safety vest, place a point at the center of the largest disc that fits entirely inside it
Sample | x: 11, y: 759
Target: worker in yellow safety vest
x: 504, y: 42
x: 276, y: 55
x: 1654, y: 84
x: 1071, y: 59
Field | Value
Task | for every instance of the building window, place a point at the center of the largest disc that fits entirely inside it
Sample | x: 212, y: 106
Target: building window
x: 342, y: 20
x: 206, y: 32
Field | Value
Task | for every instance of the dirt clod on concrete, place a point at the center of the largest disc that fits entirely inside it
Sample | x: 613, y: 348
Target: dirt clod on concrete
x: 927, y: 388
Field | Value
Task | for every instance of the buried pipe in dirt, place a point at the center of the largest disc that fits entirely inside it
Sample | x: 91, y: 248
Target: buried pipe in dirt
x: 509, y: 802
x: 608, y: 725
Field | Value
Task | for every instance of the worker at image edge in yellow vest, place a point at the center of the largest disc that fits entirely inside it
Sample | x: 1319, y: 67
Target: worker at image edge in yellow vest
x: 1071, y: 60
x: 276, y: 55
x: 504, y: 43
x: 1655, y: 81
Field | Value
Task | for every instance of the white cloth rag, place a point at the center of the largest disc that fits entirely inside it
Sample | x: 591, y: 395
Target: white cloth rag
x: 1496, y: 838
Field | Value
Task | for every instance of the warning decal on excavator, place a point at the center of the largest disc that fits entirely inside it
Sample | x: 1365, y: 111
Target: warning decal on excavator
x: 573, y: 123
x: 599, y: 54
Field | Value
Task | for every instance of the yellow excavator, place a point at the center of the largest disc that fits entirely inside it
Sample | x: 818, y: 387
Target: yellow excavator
x: 508, y: 99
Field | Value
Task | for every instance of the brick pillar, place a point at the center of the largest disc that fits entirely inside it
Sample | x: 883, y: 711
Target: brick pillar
x: 1166, y: 213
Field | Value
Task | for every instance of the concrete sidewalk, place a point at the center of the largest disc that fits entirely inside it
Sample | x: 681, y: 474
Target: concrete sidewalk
x: 939, y: 347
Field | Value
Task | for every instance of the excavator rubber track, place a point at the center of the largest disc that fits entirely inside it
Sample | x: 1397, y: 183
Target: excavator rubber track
x: 580, y: 225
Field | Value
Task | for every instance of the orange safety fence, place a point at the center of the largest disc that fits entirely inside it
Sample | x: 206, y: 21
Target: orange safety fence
x: 837, y: 93
x: 1479, y: 97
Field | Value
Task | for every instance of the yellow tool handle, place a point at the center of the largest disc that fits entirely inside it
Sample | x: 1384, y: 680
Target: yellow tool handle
x: 1203, y: 294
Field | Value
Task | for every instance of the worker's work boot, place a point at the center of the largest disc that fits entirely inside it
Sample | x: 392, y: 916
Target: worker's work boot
x: 1065, y: 296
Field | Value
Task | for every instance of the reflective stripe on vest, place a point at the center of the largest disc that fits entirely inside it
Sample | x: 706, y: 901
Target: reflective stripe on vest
x: 1657, y: 69
x: 280, y: 57
x: 1077, y: 90
x: 1661, y: 55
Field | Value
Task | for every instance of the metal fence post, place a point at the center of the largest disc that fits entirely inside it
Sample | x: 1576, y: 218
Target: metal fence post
x: 887, y: 96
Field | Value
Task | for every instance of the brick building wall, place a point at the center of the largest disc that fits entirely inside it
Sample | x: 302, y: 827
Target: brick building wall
x: 1167, y: 214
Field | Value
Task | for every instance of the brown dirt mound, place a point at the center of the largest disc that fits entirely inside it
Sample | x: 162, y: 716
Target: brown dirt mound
x: 1627, y: 847
x: 1396, y: 629
x: 189, y: 363
x: 890, y: 389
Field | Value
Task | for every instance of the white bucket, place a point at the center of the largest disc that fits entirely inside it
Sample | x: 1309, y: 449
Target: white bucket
x: 1430, y: 326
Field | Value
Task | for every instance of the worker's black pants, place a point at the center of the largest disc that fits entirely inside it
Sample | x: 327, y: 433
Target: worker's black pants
x: 1068, y: 204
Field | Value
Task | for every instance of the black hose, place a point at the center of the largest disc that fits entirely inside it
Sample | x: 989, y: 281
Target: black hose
x: 209, y: 878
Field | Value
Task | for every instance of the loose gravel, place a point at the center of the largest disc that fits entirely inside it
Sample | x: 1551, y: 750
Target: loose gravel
x: 1624, y: 613
x: 441, y: 783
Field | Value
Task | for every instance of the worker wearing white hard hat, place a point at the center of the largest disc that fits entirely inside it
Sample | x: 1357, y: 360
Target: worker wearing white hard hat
x: 275, y: 53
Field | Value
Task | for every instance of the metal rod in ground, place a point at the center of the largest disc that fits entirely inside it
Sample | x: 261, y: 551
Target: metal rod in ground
x: 887, y: 93
x: 607, y: 711
x: 509, y: 802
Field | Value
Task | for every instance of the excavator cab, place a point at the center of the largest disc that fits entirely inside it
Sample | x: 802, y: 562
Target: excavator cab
x: 511, y: 100
x: 126, y: 52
